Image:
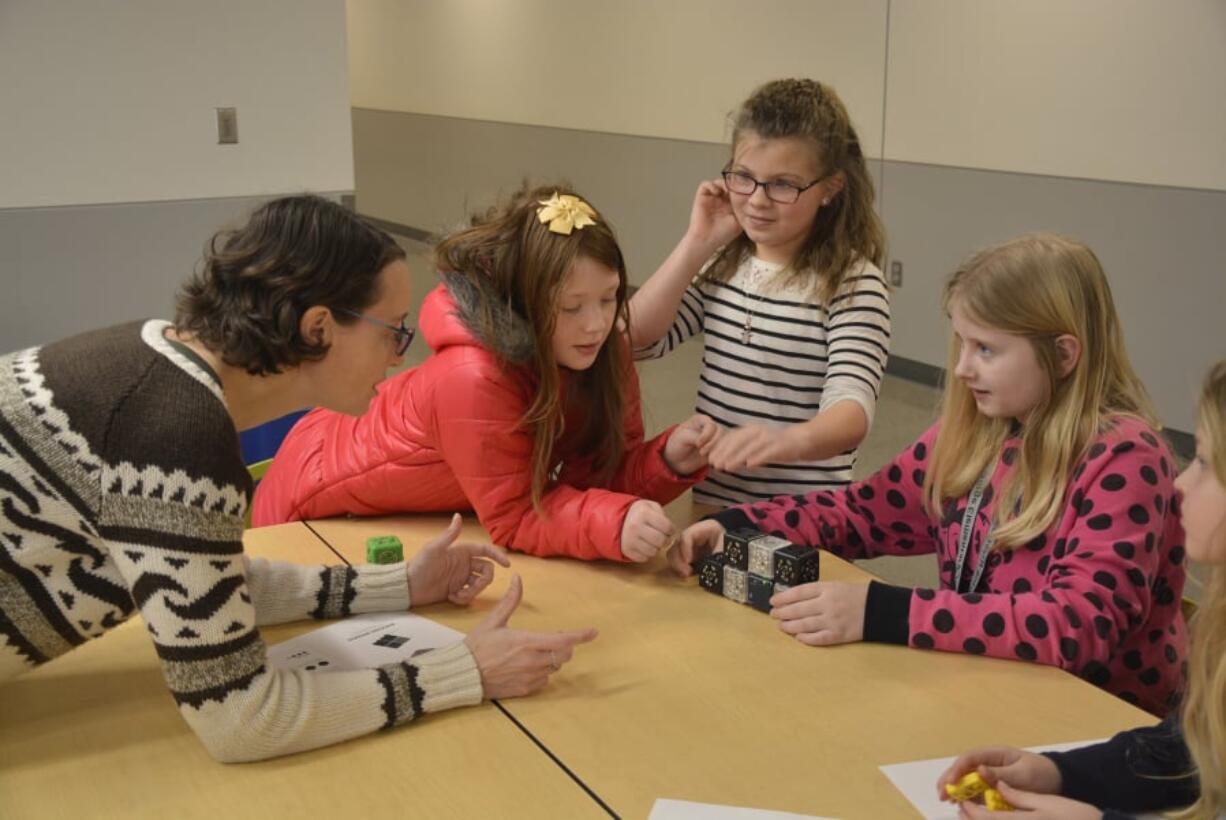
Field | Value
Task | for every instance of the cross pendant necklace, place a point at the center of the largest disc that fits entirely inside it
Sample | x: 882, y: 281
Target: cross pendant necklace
x: 752, y: 280
x: 747, y: 328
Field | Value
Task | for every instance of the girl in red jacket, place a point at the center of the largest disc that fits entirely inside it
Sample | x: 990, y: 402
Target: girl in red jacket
x: 1044, y: 490
x: 527, y: 411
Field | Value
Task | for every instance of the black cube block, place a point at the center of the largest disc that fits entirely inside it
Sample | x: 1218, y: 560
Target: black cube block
x: 760, y: 591
x: 711, y: 572
x: 796, y: 565
x: 736, y: 547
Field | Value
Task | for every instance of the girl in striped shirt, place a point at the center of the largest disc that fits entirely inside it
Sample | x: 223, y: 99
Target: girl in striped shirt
x: 794, y: 312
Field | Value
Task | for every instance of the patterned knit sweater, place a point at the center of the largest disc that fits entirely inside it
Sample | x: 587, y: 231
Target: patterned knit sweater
x: 122, y: 488
x: 1098, y: 594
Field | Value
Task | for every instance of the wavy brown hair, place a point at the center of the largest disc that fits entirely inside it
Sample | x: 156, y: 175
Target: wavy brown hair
x: 245, y: 302
x: 518, y: 262
x: 1039, y: 286
x: 845, y: 230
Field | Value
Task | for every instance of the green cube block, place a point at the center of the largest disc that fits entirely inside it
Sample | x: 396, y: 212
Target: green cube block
x: 384, y: 549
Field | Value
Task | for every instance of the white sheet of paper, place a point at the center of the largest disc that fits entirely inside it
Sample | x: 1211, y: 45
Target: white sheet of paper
x: 362, y: 642
x: 917, y: 781
x: 665, y: 809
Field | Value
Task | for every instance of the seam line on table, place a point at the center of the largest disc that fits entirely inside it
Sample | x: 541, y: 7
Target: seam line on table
x: 503, y: 709
x: 327, y: 543
x: 557, y: 760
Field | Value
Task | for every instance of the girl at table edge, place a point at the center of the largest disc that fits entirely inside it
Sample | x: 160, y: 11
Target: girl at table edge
x: 1182, y: 761
x: 122, y: 488
x: 1044, y: 490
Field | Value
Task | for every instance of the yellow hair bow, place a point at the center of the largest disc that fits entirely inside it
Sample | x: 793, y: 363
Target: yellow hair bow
x: 565, y: 213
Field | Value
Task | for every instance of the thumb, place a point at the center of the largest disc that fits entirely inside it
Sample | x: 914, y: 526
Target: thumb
x: 994, y: 774
x: 1017, y: 798
x: 448, y: 536
x: 502, y: 611
x: 991, y: 774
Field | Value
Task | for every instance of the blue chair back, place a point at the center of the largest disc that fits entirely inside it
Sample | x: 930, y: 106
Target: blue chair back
x: 260, y: 444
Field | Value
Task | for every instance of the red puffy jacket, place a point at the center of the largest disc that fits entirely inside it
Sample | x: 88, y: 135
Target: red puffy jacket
x: 445, y: 436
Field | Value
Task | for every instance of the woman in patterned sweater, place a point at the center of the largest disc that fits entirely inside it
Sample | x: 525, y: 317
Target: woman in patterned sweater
x: 1044, y: 490
x: 122, y: 488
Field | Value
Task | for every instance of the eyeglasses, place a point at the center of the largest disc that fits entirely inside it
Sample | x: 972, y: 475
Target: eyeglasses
x: 785, y: 193
x: 404, y: 335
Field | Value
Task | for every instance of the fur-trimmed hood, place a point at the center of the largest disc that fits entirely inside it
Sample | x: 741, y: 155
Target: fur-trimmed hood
x: 451, y: 315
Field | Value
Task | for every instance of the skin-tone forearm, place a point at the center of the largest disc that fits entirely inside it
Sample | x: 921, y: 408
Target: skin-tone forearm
x: 832, y: 432
x: 827, y: 434
x: 654, y: 306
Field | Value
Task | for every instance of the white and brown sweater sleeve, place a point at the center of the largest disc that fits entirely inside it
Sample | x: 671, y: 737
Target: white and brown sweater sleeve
x: 169, y: 491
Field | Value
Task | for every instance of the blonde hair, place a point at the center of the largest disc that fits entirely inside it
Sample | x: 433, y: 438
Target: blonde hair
x: 1039, y: 286
x: 1204, y: 708
x: 519, y: 262
x: 845, y: 230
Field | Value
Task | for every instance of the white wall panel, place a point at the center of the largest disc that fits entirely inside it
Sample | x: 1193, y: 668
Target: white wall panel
x: 1125, y: 90
x: 114, y: 102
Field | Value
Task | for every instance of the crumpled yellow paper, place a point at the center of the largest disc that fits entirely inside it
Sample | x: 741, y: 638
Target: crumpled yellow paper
x: 565, y: 213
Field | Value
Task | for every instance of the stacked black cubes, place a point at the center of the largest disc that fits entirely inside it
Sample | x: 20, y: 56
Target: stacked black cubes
x: 753, y: 567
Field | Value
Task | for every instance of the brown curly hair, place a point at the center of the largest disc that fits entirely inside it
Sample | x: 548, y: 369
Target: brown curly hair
x: 843, y: 231
x: 245, y: 302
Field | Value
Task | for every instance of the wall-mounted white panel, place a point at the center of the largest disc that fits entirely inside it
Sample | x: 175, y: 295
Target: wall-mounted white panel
x: 662, y: 68
x: 1126, y: 90
x: 115, y: 102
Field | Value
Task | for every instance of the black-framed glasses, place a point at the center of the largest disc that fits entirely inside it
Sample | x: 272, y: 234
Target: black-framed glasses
x: 404, y: 334
x: 777, y: 190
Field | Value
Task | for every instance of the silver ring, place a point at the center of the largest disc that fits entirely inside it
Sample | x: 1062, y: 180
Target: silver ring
x: 553, y: 661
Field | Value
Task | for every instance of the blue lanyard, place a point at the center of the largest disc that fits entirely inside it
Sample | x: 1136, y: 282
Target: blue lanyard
x: 964, y: 537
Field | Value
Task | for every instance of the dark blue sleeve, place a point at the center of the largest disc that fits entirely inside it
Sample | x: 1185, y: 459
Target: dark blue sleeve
x: 1144, y: 769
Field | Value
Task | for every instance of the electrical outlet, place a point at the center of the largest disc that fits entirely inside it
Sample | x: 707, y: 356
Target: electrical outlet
x: 227, y: 126
x: 896, y: 274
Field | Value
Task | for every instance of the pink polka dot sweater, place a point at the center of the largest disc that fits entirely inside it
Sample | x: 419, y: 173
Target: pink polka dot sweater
x: 1098, y: 594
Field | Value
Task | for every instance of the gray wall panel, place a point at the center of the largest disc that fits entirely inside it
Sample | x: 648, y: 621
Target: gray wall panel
x: 70, y: 269
x: 1156, y: 243
x: 429, y: 172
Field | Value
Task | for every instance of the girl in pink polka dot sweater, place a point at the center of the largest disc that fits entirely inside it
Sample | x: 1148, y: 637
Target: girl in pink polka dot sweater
x: 1044, y: 490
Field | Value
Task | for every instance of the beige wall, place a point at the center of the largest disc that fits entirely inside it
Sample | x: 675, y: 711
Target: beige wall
x: 114, y: 102
x: 660, y: 68
x: 1126, y: 90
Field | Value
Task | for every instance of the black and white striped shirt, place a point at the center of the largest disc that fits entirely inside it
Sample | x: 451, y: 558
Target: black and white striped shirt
x: 772, y: 356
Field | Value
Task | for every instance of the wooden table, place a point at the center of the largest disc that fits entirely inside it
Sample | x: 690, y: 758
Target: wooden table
x: 690, y: 696
x: 95, y: 734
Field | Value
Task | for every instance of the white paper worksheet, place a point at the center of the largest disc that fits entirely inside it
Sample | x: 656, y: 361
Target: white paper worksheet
x: 362, y: 642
